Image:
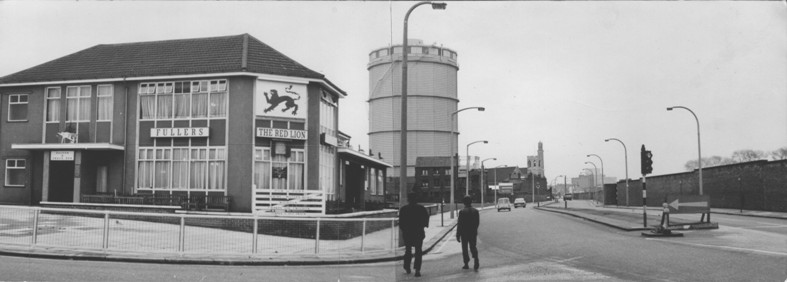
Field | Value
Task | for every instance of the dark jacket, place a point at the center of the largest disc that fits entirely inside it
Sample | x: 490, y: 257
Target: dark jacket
x: 468, y: 222
x: 413, y: 218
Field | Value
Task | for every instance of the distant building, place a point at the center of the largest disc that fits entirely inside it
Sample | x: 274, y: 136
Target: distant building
x: 535, y: 164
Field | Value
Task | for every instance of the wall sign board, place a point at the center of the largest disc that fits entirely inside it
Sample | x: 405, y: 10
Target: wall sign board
x: 61, y: 156
x: 179, y: 132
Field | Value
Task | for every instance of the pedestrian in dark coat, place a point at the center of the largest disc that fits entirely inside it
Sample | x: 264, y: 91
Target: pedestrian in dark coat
x: 467, y: 231
x: 413, y: 218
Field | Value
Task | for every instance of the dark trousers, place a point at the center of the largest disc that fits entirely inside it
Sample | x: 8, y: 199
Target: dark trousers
x: 469, y: 240
x: 408, y: 254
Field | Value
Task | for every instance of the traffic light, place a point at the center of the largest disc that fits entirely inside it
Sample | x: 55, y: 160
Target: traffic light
x: 646, y: 161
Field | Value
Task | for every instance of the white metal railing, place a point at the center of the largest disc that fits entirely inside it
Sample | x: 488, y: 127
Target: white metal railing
x: 115, y: 231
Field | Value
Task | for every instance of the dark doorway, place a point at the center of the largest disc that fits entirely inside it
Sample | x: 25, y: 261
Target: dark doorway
x: 355, y: 184
x: 61, y: 181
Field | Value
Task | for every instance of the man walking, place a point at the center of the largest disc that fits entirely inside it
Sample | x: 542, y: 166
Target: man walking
x: 467, y: 231
x: 413, y: 218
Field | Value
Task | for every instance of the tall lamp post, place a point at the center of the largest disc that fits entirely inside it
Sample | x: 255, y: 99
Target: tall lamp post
x: 403, y: 142
x: 483, y: 184
x: 602, y: 174
x: 626, y: 157
x: 554, y: 183
x: 699, y: 146
x: 453, y: 153
x: 595, y: 178
x: 467, y: 165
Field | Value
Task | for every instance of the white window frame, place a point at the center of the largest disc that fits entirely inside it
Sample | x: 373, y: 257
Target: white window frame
x: 81, y: 98
x: 111, y: 97
x: 289, y: 162
x: 170, y: 160
x: 59, y: 105
x: 18, y: 102
x: 210, y: 88
x: 15, y: 166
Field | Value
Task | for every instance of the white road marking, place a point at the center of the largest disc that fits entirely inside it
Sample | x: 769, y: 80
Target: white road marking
x: 722, y: 247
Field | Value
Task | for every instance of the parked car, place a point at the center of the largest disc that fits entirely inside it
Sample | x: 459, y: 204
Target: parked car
x: 503, y: 204
x: 519, y: 202
x: 567, y: 197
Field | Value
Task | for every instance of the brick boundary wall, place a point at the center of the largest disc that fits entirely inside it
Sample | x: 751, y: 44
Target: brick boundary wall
x: 762, y: 186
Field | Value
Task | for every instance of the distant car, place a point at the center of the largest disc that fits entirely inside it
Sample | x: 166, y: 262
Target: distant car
x: 567, y: 197
x: 519, y: 202
x: 503, y: 204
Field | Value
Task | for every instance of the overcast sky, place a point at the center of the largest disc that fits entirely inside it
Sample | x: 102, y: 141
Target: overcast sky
x: 569, y: 74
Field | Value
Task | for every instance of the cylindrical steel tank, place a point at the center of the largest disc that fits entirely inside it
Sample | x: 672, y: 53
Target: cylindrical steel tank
x: 431, y: 98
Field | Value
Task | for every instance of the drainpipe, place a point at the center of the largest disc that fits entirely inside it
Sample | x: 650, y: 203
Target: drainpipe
x: 125, y: 134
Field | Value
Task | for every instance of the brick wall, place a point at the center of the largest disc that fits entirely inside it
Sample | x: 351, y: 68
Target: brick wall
x: 762, y: 186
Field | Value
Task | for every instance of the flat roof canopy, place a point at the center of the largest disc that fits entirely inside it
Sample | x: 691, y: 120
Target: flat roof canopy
x: 359, y: 155
x: 67, y: 146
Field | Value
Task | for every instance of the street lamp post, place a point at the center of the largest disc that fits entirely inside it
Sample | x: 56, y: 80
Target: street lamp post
x: 602, y: 174
x: 403, y: 142
x: 699, y: 146
x: 483, y: 184
x: 453, y: 154
x: 595, y: 178
x: 554, y: 184
x: 626, y: 157
x: 467, y: 165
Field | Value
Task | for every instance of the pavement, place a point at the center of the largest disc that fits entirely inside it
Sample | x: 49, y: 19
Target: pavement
x: 294, y: 253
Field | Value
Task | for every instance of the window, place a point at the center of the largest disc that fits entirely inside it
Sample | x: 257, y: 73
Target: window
x: 424, y: 183
x: 327, y: 169
x: 183, y: 99
x: 380, y: 185
x: 17, y: 107
x: 78, y: 103
x: 278, y: 171
x: 15, y: 172
x: 53, y: 104
x: 104, y: 103
x: 182, y: 168
x: 424, y: 172
x: 372, y: 180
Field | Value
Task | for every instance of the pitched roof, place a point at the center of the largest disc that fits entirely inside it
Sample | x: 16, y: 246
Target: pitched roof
x: 237, y: 53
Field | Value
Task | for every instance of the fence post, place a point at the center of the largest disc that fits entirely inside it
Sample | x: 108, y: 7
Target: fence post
x: 254, y: 233
x: 363, y: 235
x: 317, y: 238
x: 393, y: 229
x: 105, y: 245
x: 182, y: 239
x: 34, y: 239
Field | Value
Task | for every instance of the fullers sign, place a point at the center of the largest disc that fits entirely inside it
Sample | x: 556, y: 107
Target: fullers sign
x: 281, y: 133
x: 179, y: 132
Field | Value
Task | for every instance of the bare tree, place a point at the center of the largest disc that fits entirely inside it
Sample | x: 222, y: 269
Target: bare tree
x: 708, y: 162
x: 779, y: 154
x: 747, y: 155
